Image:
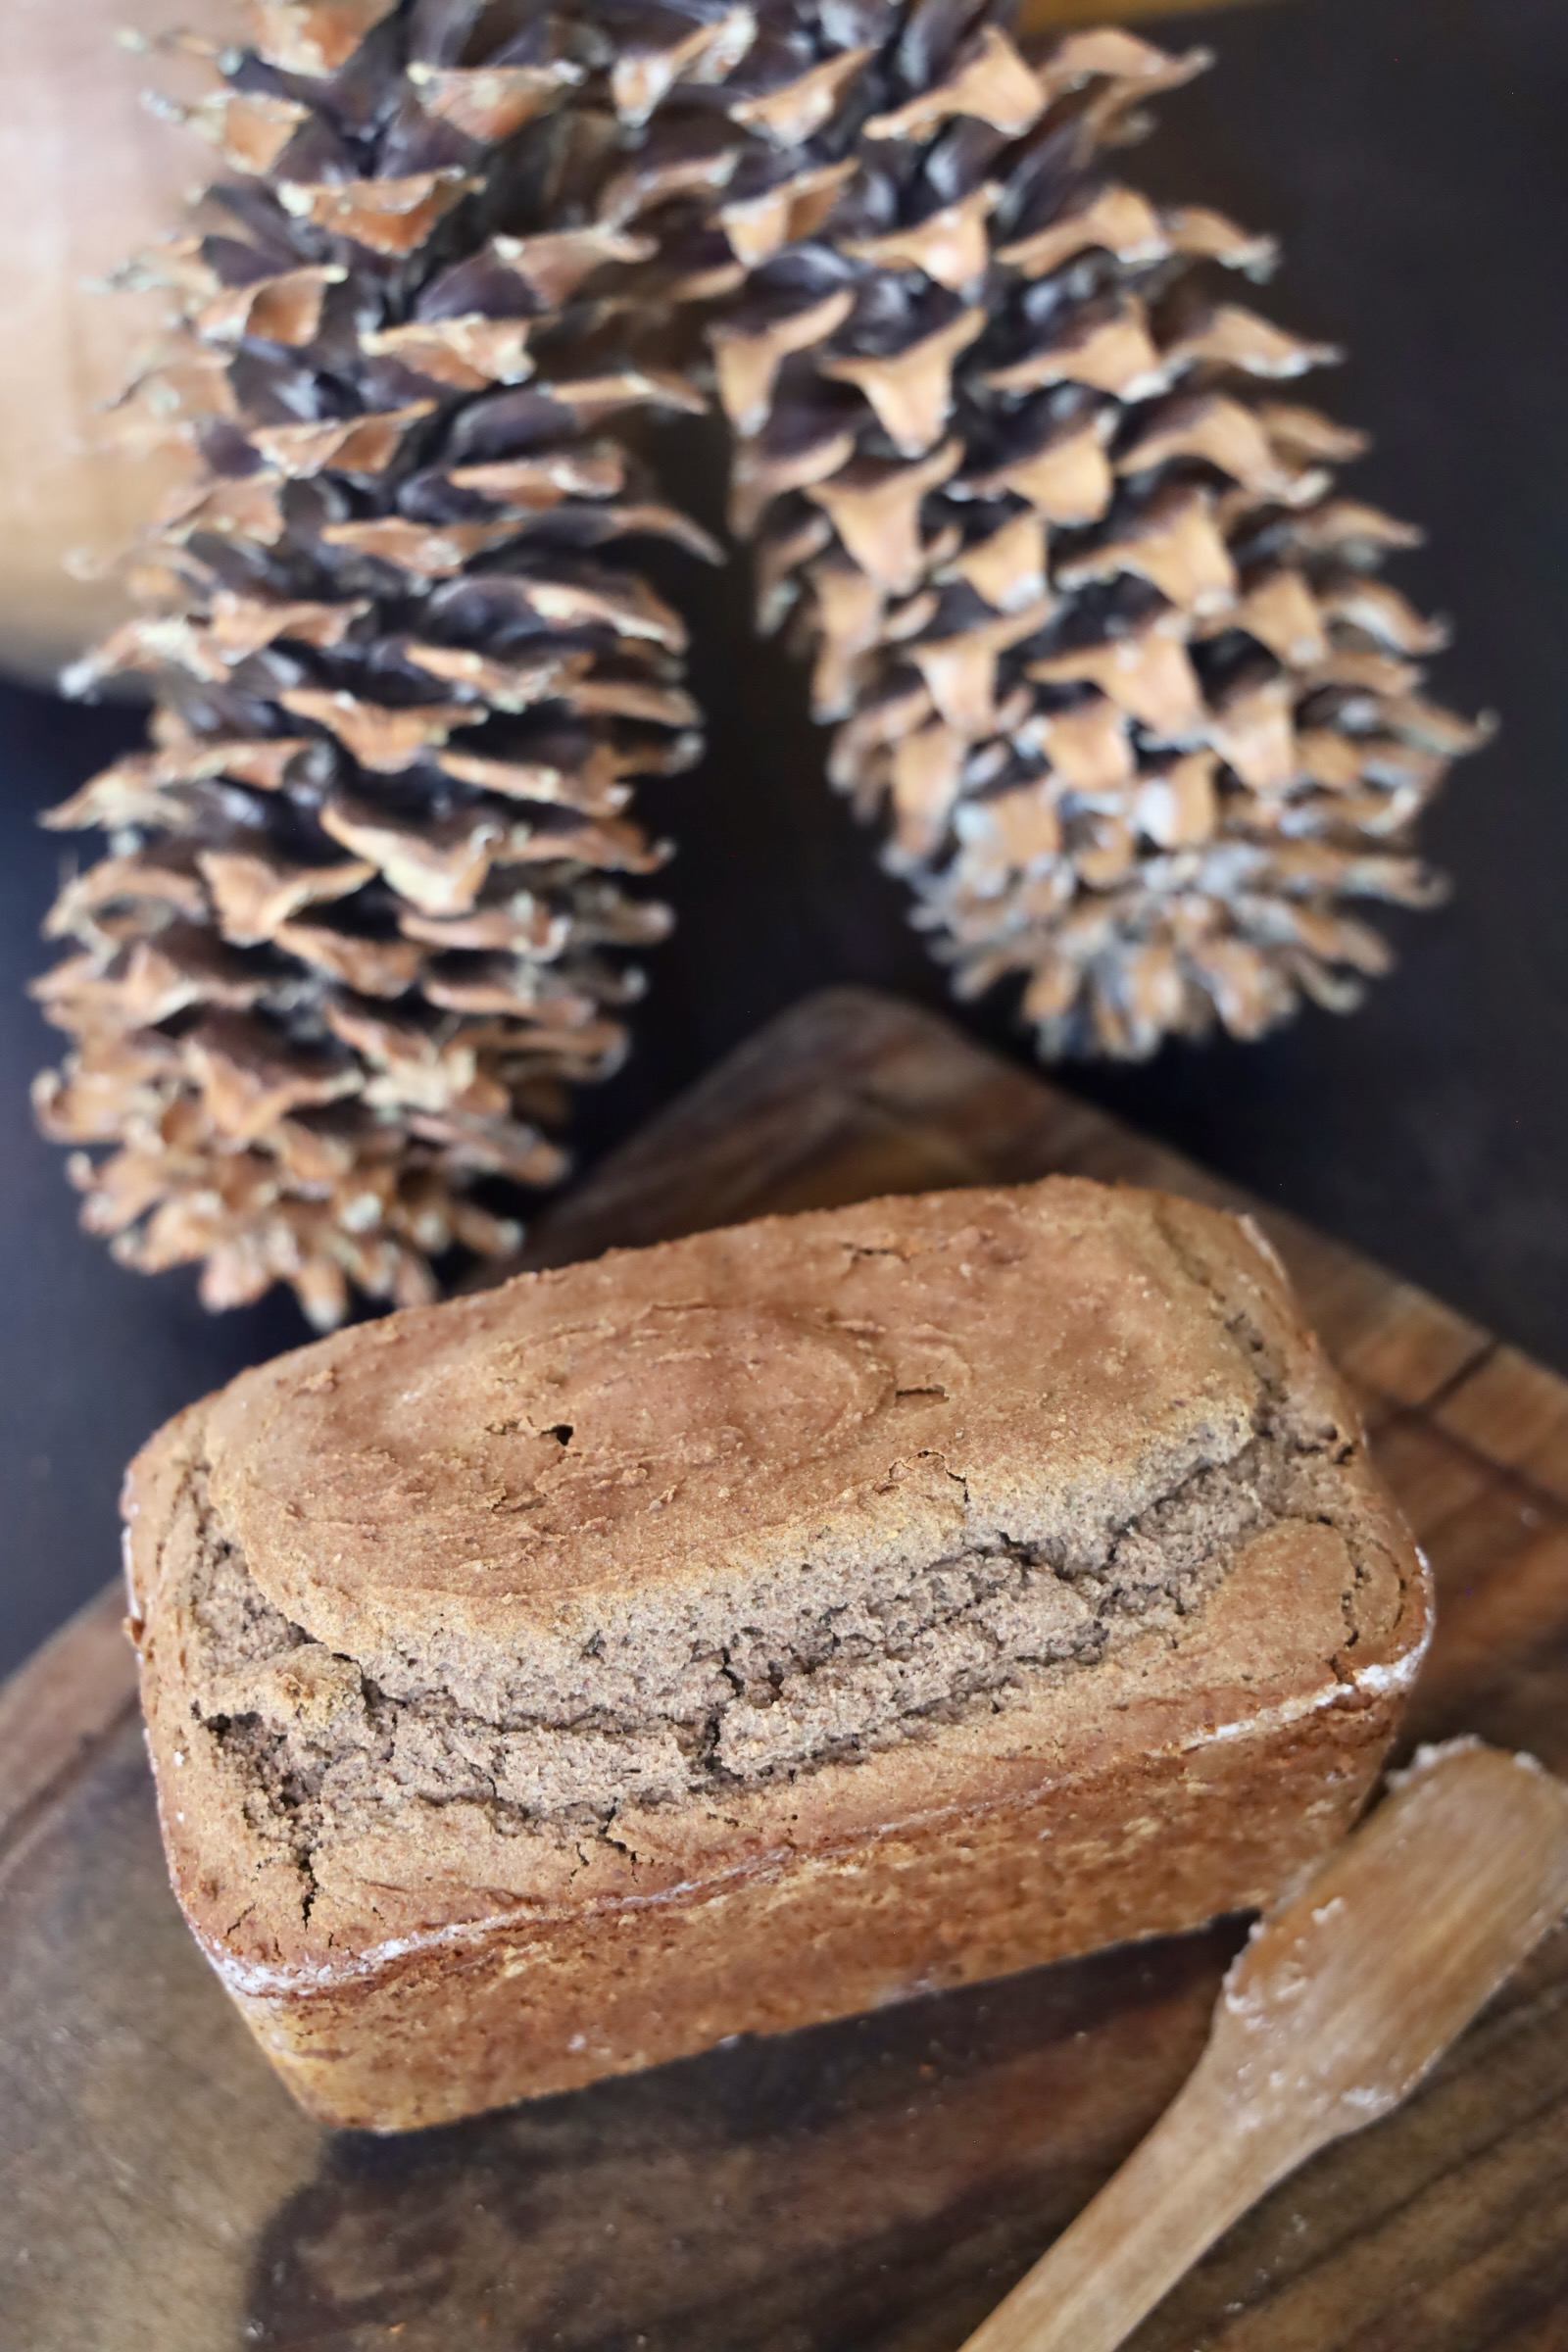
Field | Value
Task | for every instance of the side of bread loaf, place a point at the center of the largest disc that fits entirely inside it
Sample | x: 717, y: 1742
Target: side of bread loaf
x: 731, y: 1634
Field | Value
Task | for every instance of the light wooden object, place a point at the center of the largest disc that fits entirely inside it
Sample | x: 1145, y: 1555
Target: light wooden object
x: 880, y: 2183
x: 1337, y: 2007
x: 88, y: 177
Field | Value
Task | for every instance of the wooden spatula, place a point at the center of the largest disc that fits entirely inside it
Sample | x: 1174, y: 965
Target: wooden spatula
x: 1340, y: 2002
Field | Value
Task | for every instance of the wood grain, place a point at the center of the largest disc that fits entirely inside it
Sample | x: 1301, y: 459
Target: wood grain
x: 874, y: 2186
x: 71, y: 1696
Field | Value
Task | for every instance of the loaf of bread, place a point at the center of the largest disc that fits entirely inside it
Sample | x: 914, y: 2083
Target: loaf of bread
x: 744, y: 1632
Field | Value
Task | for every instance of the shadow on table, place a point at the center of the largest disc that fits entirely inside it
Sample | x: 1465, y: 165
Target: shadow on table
x: 875, y: 2183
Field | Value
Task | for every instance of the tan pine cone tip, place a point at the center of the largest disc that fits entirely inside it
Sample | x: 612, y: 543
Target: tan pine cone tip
x: 1103, y: 646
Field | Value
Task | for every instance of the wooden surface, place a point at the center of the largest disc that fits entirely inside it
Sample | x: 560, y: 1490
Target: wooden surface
x: 874, y: 2187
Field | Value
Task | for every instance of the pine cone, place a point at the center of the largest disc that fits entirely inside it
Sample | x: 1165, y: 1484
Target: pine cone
x: 1097, y: 632
x: 351, y: 940
x: 1101, y: 638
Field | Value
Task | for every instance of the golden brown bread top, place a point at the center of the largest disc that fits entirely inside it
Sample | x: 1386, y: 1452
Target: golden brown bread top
x: 635, y: 1575
x: 821, y: 1386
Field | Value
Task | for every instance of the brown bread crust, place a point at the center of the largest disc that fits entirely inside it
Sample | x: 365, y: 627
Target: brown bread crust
x: 738, y: 1633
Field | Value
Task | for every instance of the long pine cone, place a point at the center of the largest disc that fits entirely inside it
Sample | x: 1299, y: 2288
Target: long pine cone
x: 358, y: 922
x: 1103, y: 643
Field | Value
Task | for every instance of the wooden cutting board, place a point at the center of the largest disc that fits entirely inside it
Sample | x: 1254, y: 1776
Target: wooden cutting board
x: 872, y: 2186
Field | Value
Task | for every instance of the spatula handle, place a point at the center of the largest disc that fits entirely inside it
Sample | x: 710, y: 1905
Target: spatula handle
x: 1198, y: 2170
x: 1338, y: 2006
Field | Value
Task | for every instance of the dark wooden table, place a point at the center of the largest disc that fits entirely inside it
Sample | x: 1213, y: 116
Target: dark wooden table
x: 870, y: 2186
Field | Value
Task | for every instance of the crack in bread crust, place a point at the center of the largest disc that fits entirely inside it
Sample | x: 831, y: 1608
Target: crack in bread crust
x: 321, y: 1751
